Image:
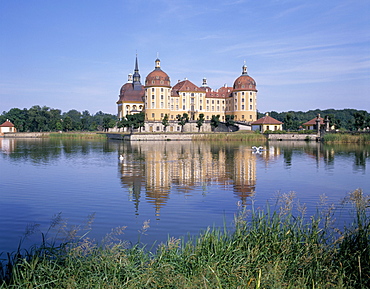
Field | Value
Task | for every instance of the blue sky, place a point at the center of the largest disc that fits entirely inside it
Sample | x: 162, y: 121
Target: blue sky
x: 77, y: 54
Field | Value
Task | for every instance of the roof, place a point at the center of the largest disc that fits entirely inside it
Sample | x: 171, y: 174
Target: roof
x: 245, y: 82
x: 222, y: 92
x: 313, y: 121
x: 128, y: 94
x: 7, y: 123
x: 185, y: 86
x: 266, y: 120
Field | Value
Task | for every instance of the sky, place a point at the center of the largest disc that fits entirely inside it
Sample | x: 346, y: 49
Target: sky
x: 76, y: 54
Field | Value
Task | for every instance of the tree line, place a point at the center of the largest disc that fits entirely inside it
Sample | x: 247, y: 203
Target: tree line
x: 40, y: 119
x: 343, y: 119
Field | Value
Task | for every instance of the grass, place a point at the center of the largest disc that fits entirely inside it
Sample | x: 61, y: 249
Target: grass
x: 78, y: 135
x: 271, y: 248
x: 363, y: 138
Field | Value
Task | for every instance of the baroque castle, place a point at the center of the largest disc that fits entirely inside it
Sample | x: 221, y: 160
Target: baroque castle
x: 157, y: 98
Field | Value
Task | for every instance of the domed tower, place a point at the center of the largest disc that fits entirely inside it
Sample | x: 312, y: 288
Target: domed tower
x: 157, y: 94
x: 131, y: 96
x: 244, y: 98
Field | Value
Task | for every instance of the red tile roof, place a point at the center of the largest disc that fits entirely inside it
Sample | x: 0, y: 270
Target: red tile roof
x: 184, y: 86
x: 313, y: 121
x: 7, y: 123
x: 266, y: 120
x: 128, y: 94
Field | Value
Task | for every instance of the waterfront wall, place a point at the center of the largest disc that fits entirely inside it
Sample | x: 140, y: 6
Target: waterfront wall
x: 26, y: 134
x: 151, y: 137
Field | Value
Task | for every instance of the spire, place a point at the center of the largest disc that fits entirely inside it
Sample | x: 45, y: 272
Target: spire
x: 204, y: 84
x: 244, y: 71
x: 157, y: 64
x: 136, y: 76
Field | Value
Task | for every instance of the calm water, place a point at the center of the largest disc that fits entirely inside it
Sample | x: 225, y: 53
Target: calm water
x: 180, y: 187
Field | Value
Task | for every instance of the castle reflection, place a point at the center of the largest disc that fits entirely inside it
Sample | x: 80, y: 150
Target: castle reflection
x: 162, y: 167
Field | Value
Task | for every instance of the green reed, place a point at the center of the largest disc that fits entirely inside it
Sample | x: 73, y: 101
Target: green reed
x: 78, y: 135
x: 347, y: 138
x: 278, y: 247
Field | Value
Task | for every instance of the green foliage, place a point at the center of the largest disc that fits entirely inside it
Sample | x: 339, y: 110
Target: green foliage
x: 279, y: 247
x: 200, y: 121
x: 165, y: 121
x: 42, y: 119
x: 229, y: 121
x: 346, y: 119
x: 182, y: 120
x: 132, y: 121
x: 215, y: 121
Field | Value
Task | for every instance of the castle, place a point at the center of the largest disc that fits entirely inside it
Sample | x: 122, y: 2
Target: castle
x: 157, y: 98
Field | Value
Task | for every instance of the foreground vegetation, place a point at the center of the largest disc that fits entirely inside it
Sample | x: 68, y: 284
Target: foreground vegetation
x: 280, y: 248
x: 347, y: 138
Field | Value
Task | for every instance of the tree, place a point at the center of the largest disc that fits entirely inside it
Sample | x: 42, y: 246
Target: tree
x: 200, y: 121
x: 67, y: 123
x: 182, y: 120
x: 215, y: 121
x: 360, y: 119
x: 108, y: 123
x: 229, y: 121
x: 165, y: 121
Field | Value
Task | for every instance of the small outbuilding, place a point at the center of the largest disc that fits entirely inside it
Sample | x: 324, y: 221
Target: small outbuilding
x: 7, y: 126
x: 267, y: 123
x: 316, y: 123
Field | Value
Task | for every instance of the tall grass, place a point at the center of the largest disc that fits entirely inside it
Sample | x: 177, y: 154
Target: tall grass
x: 347, y: 138
x: 279, y: 247
x: 78, y: 135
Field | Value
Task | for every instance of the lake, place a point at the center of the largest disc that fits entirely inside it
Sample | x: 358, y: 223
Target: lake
x: 171, y: 188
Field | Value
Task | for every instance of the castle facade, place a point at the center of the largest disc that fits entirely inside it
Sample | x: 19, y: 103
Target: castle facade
x: 157, y: 97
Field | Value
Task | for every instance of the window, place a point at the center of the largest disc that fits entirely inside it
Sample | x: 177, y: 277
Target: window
x: 200, y: 101
x: 177, y: 107
x: 153, y: 97
x: 242, y: 116
x: 153, y: 115
x: 250, y: 100
x: 162, y: 105
x: 218, y: 102
x: 162, y: 96
x: 242, y: 99
x: 243, y: 107
x: 161, y: 89
x: 207, y: 101
x: 172, y: 107
x: 183, y: 100
x: 218, y: 108
x: 183, y: 107
x: 213, y: 108
x: 192, y: 94
x: 243, y: 93
x: 171, y: 116
x: 213, y: 102
x: 251, y: 107
x: 200, y: 107
x: 275, y: 127
x: 250, y: 117
x: 153, y: 104
x: 161, y: 114
x: 157, y: 128
x: 250, y: 93
x: 183, y: 94
x: 207, y: 108
x: 268, y: 127
x: 207, y: 117
x: 152, y: 89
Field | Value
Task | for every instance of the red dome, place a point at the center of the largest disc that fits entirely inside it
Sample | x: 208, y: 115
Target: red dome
x: 245, y: 82
x: 157, y: 78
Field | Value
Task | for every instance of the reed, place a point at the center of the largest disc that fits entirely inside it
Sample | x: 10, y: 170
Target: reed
x: 278, y: 247
x: 363, y: 138
x: 78, y: 135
